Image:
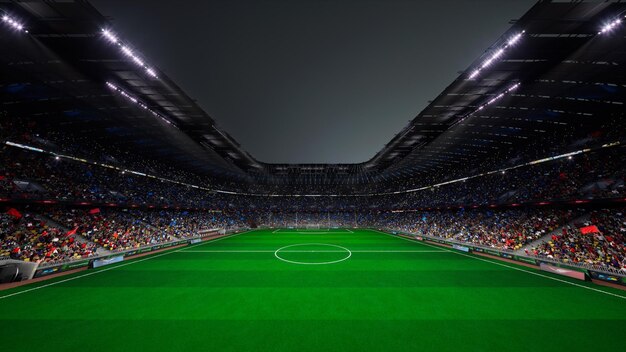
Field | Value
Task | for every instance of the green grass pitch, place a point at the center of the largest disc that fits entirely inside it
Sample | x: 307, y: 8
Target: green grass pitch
x: 335, y: 290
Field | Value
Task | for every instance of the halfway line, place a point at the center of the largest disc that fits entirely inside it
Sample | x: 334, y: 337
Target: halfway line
x: 314, y: 251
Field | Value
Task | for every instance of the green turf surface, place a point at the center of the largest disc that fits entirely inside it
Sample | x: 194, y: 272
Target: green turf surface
x: 385, y: 294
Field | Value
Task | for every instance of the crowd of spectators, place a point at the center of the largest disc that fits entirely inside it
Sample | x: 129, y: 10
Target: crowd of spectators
x: 605, y: 247
x: 56, y: 234
x: 59, y: 233
x: 505, y: 230
x: 111, y: 229
x: 499, y: 229
x: 25, y: 236
x: 29, y: 175
x: 186, y: 224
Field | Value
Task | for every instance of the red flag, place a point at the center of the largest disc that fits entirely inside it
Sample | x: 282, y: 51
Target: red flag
x: 94, y: 211
x: 589, y: 229
x: 14, y: 213
x: 71, y: 232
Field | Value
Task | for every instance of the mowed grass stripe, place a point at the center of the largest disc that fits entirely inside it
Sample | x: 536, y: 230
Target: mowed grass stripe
x: 43, y: 284
x: 515, y: 267
x: 392, y: 301
x: 323, y: 335
x: 312, y: 251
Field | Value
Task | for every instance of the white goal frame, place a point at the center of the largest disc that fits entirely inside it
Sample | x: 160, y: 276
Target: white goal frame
x: 316, y: 226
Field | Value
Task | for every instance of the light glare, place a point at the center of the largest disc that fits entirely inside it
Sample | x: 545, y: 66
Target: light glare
x: 128, y: 52
x: 610, y: 26
x: 498, y: 53
x: 139, y: 103
x: 489, y: 102
x: 110, y: 36
x: 13, y: 23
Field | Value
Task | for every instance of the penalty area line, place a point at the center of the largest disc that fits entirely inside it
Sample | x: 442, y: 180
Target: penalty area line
x: 507, y: 266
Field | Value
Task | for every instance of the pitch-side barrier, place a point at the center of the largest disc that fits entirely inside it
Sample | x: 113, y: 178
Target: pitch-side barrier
x: 29, y: 270
x: 580, y: 271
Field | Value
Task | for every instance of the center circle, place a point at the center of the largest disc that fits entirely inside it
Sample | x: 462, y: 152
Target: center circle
x: 311, y: 250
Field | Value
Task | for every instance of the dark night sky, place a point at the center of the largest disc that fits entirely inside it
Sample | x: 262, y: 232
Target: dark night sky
x: 312, y: 81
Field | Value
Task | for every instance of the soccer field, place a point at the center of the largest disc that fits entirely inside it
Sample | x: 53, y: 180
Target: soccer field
x: 313, y: 290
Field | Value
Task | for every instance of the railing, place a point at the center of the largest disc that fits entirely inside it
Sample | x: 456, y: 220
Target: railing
x: 603, y: 269
x: 587, y: 266
x: 134, y: 250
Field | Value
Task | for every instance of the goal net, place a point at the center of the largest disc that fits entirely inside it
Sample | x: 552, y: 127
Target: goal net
x: 311, y: 227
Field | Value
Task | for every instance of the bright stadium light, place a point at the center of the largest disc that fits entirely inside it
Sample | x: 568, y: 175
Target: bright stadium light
x: 14, y: 23
x: 492, y: 58
x: 84, y: 161
x: 139, y: 103
x: 127, y: 51
x: 515, y: 39
x: 497, y: 97
x: 151, y: 72
x: 138, y: 61
x: 110, y: 36
x: 497, y: 54
x: 489, y: 102
x: 610, y: 26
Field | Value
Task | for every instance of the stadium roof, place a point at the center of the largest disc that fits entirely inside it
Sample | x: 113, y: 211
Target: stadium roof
x: 560, y: 66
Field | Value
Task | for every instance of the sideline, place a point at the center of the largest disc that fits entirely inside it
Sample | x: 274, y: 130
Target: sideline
x: 504, y: 265
x: 119, y: 266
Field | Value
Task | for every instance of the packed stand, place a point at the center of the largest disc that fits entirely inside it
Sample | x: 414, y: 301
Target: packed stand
x: 599, y: 241
x: 499, y: 229
x: 29, y: 237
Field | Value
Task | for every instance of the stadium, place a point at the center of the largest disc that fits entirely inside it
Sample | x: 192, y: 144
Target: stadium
x: 317, y: 218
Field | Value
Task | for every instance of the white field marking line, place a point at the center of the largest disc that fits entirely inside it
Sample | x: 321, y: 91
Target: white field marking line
x: 315, y: 251
x: 400, y: 251
x: 118, y: 266
x: 344, y: 250
x: 227, y: 251
x: 508, y: 266
x: 349, y: 230
x: 317, y: 232
x: 276, y: 231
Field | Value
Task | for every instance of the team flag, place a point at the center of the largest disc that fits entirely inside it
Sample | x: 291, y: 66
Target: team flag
x: 589, y: 229
x: 14, y: 213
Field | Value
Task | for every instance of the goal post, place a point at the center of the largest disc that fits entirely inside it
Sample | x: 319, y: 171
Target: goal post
x: 311, y: 227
